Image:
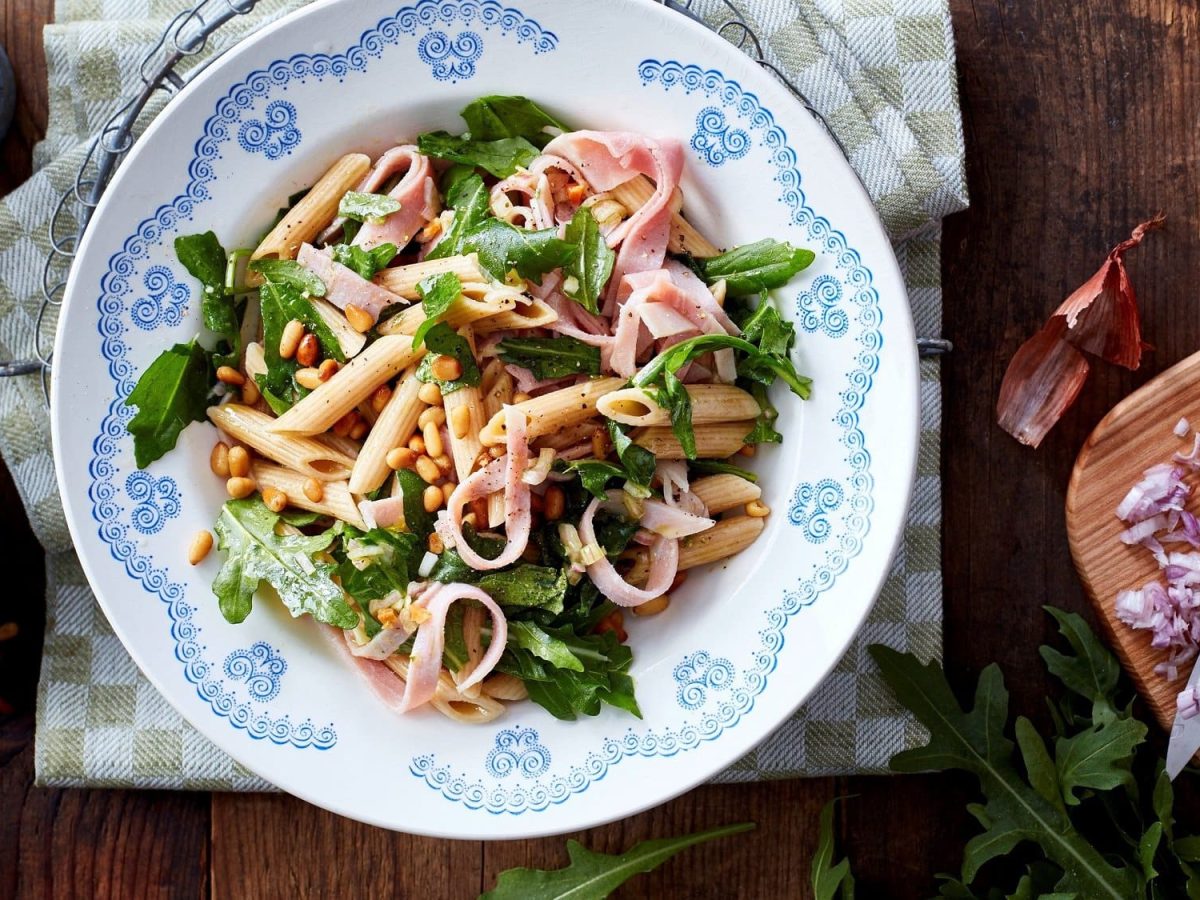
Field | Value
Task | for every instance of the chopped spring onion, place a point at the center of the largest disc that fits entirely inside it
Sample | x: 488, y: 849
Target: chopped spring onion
x: 537, y: 472
x: 428, y: 561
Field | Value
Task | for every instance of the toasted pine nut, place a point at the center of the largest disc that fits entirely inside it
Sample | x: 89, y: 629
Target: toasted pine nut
x: 576, y: 193
x: 553, y: 502
x: 308, y: 378
x: 444, y: 463
x: 536, y: 503
x: 433, y: 439
x: 428, y: 469
x: 446, y: 368
x: 289, y: 341
x: 380, y: 398
x: 495, y: 452
x: 274, y: 499
x: 434, y: 414
x: 430, y: 231
x: 747, y: 450
x: 250, y: 392
x: 327, y: 369
x: 238, y: 461
x: 360, y: 429
x: 343, y: 426
x: 309, y: 350
x: 199, y: 547
x: 757, y: 509
x: 430, y: 394
x: 433, y: 498
x: 218, y: 460
x: 653, y: 607
x: 401, y: 458
x: 460, y: 421
x: 448, y: 489
x: 230, y: 375
x: 479, y: 509
x: 600, y: 443
x: 314, y: 490
x: 416, y: 444
x: 239, y: 488
x: 360, y: 320
x: 520, y: 397
x: 436, y: 544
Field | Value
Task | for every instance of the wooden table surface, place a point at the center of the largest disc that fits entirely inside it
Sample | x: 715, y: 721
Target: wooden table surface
x: 1081, y: 120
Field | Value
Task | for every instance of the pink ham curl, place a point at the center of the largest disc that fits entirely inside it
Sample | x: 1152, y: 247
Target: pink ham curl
x: 416, y: 192
x: 507, y: 473
x: 610, y: 158
x: 343, y: 286
x: 664, y: 560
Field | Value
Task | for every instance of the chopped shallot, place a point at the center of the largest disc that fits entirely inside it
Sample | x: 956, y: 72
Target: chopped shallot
x: 1182, y: 427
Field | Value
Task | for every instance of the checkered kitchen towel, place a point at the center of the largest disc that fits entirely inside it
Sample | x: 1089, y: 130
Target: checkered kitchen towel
x: 881, y: 72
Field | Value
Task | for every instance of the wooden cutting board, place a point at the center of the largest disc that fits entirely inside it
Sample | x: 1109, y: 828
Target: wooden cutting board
x: 1135, y: 435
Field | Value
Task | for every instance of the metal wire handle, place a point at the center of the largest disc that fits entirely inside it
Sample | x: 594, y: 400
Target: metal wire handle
x: 160, y: 73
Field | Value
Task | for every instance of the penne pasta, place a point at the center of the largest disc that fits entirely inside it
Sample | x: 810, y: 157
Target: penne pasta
x: 715, y: 440
x: 710, y: 403
x: 463, y: 311
x: 310, y: 458
x: 724, y: 492
x: 316, y: 209
x: 571, y: 435
x: 335, y: 501
x: 725, y: 539
x: 448, y: 701
x: 350, y: 386
x: 346, y: 445
x: 497, y: 387
x: 555, y: 411
x: 535, y: 314
x: 505, y: 687
x: 403, y: 280
x: 393, y: 428
x: 348, y: 339
x: 465, y: 446
x: 633, y: 195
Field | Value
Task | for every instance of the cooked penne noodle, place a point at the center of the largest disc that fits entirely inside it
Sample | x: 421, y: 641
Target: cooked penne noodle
x: 710, y: 403
x: 725, y: 539
x: 348, y: 339
x: 393, y: 428
x: 463, y: 311
x: 497, y: 387
x: 555, y: 411
x: 346, y: 445
x: 536, y: 314
x: 723, y: 492
x: 448, y: 701
x: 465, y: 450
x: 350, y: 386
x: 716, y: 440
x: 633, y: 195
x: 403, y: 280
x: 301, y: 454
x: 335, y: 500
x: 505, y: 687
x: 316, y: 209
x: 472, y: 632
x: 571, y: 435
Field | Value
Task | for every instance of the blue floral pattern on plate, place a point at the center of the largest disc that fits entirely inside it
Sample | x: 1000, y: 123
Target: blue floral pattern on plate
x: 155, y: 499
x: 275, y: 135
x: 261, y: 667
x: 812, y: 506
x: 819, y: 310
x: 451, y: 59
x: 518, y: 750
x: 165, y: 301
x: 697, y: 674
x: 715, y: 142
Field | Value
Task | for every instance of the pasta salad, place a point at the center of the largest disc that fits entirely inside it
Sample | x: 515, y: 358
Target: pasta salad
x: 476, y: 399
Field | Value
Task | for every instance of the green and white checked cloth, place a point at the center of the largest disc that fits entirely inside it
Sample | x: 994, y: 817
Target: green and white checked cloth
x: 882, y: 74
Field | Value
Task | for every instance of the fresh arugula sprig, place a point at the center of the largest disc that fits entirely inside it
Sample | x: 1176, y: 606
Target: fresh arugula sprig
x: 468, y: 197
x: 494, y: 117
x: 438, y: 293
x: 172, y: 393
x: 500, y: 157
x: 830, y: 881
x: 719, y: 467
x: 587, y: 271
x: 754, y: 268
x: 362, y: 207
x: 291, y: 273
x: 442, y: 340
x: 364, y: 263
x: 504, y: 248
x: 555, y: 357
x: 206, y: 261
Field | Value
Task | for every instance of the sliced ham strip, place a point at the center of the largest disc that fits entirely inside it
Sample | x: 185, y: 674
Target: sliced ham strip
x: 672, y: 521
x: 384, y: 683
x: 416, y: 192
x: 387, y: 512
x: 664, y: 560
x: 343, y: 286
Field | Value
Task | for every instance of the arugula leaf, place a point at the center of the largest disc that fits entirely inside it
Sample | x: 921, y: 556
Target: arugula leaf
x: 613, y: 533
x: 294, y: 305
x: 278, y: 386
x: 594, y: 876
x: 442, y: 340
x: 765, y: 366
x: 555, y: 357
x: 764, y: 425
x: 566, y: 693
x: 255, y: 553
x: 537, y: 641
x: 1015, y: 811
x: 364, y: 263
x: 291, y: 273
x: 494, y: 117
x: 1092, y: 673
x: 767, y: 328
x: 591, y: 264
x: 594, y: 474
x: 753, y: 268
x: 412, y: 489
x: 204, y: 258
x: 172, y: 393
x: 674, y: 398
x: 499, y: 157
x: 392, y: 570
x: 438, y: 293
x: 367, y: 207
x: 717, y: 467
x: 469, y: 198
x: 639, y: 462
x: 504, y: 248
x: 1099, y: 758
x: 527, y: 586
x: 829, y: 880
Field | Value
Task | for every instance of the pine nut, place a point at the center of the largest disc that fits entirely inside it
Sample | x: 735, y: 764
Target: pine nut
x: 433, y: 498
x: 495, y: 452
x: 230, y: 375
x: 360, y: 320
x: 428, y: 469
x: 250, y: 392
x: 479, y: 509
x: 308, y: 378
x: 746, y: 450
x: 433, y: 440
x: 553, y: 503
x: 274, y: 499
x: 218, y: 460
x: 289, y: 341
x: 430, y: 394
x: 380, y: 398
x: 600, y: 443
x: 430, y: 231
x: 200, y: 546
x: 653, y: 607
x: 238, y: 461
x: 520, y: 397
x: 436, y: 544
x: 446, y: 368
x: 757, y: 509
x: 448, y: 490
x: 239, y: 488
x: 460, y: 421
x: 327, y: 369
x: 308, y: 350
x: 416, y: 444
x: 359, y: 431
x: 343, y: 426
x: 314, y: 490
x: 434, y: 414
x: 401, y: 458
x: 444, y: 463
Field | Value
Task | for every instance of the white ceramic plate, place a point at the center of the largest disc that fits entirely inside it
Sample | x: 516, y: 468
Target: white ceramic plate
x: 741, y: 645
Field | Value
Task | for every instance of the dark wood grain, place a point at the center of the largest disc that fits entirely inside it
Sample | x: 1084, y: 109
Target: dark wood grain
x: 1081, y: 120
